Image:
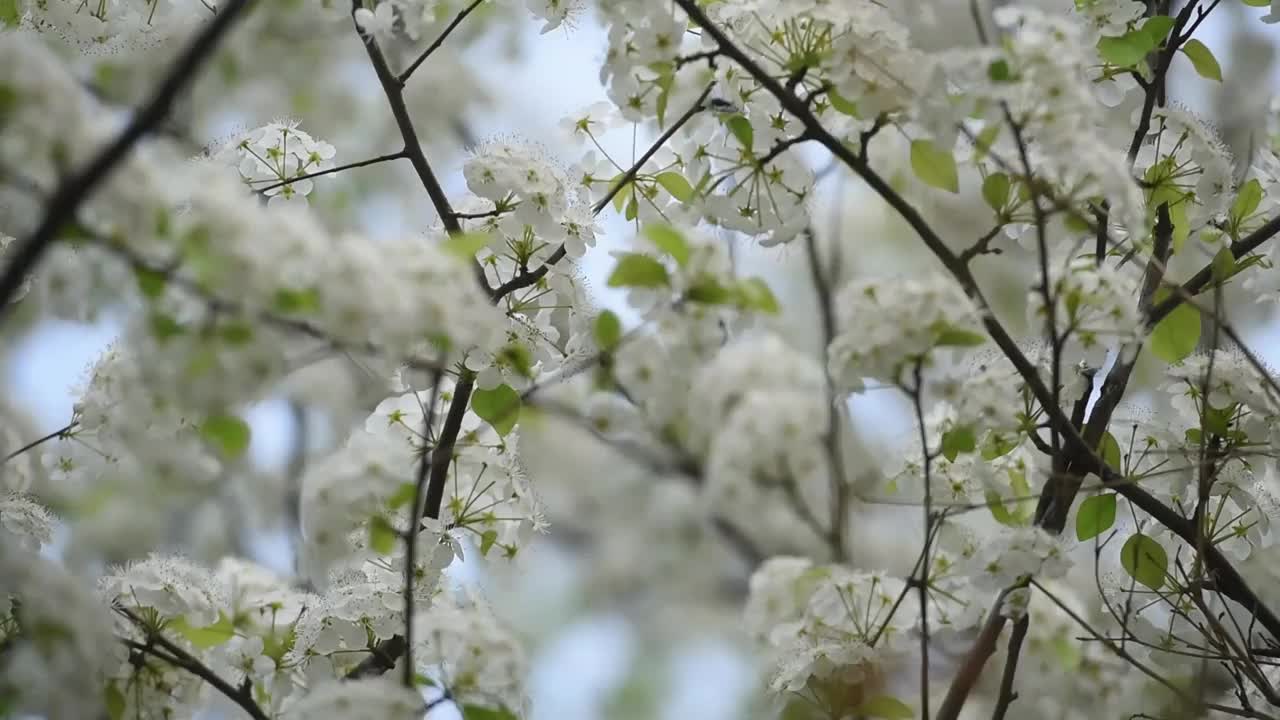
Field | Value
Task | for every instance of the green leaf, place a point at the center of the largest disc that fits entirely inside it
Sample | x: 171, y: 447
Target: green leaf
x: 1217, y: 421
x: 1224, y: 264
x: 708, y: 291
x: 164, y: 326
x: 402, y: 496
x: 669, y: 240
x: 608, y: 330
x: 886, y: 706
x: 1157, y: 28
x: 382, y: 536
x: 205, y: 637
x: 480, y: 712
x: 114, y: 699
x: 1145, y: 560
x: 636, y: 270
x: 1176, y: 336
x: 1257, y: 3
x: 957, y: 441
x: 633, y: 208
x: 934, y: 166
x: 465, y: 245
x: 999, y: 71
x: 1202, y: 59
x: 619, y: 197
x: 1133, y: 47
x: 842, y: 104
x: 500, y: 407
x: 1109, y: 451
x: 1097, y: 515
x: 287, y: 300
x: 9, y: 16
x: 1246, y: 202
x: 228, y: 433
x: 996, y: 445
x: 150, y: 282
x: 487, y: 540
x: 675, y: 184
x: 986, y: 138
x: 998, y: 509
x: 995, y: 190
x: 959, y: 337
x: 754, y: 294
x: 741, y: 129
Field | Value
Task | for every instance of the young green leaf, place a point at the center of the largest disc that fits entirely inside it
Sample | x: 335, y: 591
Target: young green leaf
x: 608, y: 330
x: 1145, y: 560
x: 206, y: 637
x: 934, y: 166
x: 228, y: 433
x: 481, y: 712
x: 957, y: 441
x: 1096, y: 516
x: 1202, y: 59
x: 636, y: 270
x: 1177, y: 335
x: 754, y: 294
x: 500, y: 407
x: 669, y: 240
x: 675, y: 184
x: 1247, y: 200
x: 742, y: 130
x: 1109, y: 451
x: 465, y: 245
x: 382, y: 536
x: 487, y: 541
x: 995, y: 190
x: 887, y: 707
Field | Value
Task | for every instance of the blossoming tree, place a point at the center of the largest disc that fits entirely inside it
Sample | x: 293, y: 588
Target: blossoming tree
x: 1086, y: 503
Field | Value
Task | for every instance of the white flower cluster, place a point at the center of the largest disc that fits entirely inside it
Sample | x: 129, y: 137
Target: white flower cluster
x: 471, y: 654
x: 1186, y: 162
x: 827, y: 627
x: 1040, y: 73
x: 1017, y: 552
x: 1096, y: 305
x: 173, y: 586
x: 24, y: 522
x: 274, y: 158
x: 759, y: 412
x: 885, y: 325
x: 372, y: 698
x: 54, y: 665
x: 371, y: 478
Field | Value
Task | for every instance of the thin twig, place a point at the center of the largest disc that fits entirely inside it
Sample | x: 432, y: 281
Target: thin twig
x: 329, y: 171
x: 78, y: 187
x: 435, y: 45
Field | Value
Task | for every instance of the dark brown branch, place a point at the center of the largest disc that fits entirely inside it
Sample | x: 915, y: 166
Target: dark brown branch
x: 393, y: 89
x: 1007, y: 695
x: 73, y: 191
x: 55, y: 435
x: 415, y: 523
x: 329, y: 171
x: 1201, y: 279
x: 435, y: 45
x: 1230, y: 582
x: 184, y: 660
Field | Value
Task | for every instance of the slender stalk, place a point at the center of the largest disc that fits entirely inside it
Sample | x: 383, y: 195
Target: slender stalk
x: 78, y: 187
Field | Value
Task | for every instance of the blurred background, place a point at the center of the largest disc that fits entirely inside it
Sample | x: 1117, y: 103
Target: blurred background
x: 605, y: 643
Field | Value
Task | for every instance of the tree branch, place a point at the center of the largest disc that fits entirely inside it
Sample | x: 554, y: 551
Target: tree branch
x: 73, y: 191
x: 184, y: 660
x: 435, y: 45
